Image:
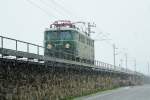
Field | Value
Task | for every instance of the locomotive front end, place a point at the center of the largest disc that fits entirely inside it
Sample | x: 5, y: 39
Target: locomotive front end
x: 59, y: 41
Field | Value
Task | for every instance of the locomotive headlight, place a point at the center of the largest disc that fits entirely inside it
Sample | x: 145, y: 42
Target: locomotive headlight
x: 67, y: 46
x: 49, y: 46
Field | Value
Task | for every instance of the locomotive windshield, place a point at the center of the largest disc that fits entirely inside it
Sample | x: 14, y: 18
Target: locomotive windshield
x: 51, y: 35
x: 59, y: 35
x: 65, y: 35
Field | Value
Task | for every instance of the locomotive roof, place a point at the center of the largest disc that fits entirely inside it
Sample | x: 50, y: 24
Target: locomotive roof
x: 67, y: 28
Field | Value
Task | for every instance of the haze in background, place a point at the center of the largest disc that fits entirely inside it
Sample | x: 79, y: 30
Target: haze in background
x: 125, y: 22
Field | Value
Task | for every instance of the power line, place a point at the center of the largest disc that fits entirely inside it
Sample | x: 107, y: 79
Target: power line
x: 37, y: 6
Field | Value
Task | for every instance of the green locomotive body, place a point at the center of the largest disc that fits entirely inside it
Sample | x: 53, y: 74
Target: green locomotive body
x: 68, y: 40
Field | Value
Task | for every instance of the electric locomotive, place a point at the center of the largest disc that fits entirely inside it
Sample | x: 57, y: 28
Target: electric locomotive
x: 64, y: 39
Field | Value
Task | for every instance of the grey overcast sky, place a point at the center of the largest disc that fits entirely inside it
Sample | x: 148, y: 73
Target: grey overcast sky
x: 125, y: 22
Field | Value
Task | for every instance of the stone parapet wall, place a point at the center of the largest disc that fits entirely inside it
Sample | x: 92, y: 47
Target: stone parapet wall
x: 26, y: 81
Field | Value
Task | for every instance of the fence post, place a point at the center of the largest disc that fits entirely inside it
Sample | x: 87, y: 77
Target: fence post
x: 38, y: 50
x: 27, y: 47
x: 2, y: 42
x: 98, y: 63
x: 16, y: 45
x: 2, y: 45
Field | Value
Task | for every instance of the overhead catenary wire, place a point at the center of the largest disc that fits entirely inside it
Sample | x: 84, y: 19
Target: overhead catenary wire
x: 67, y: 11
x: 49, y: 14
x: 102, y: 36
x: 61, y: 6
x: 56, y: 10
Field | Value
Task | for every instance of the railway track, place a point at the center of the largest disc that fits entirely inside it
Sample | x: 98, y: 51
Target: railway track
x: 38, y: 57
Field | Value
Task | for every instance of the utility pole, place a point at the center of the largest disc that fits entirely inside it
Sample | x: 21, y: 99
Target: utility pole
x: 135, y: 65
x: 114, y: 53
x: 135, y: 70
x: 121, y: 62
x: 89, y: 28
x: 126, y: 57
x: 148, y: 67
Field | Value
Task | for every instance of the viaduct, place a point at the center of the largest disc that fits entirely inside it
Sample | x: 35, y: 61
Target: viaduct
x: 24, y: 75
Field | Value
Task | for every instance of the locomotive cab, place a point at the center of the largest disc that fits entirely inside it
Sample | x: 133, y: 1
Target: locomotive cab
x: 65, y: 40
x: 60, y: 41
